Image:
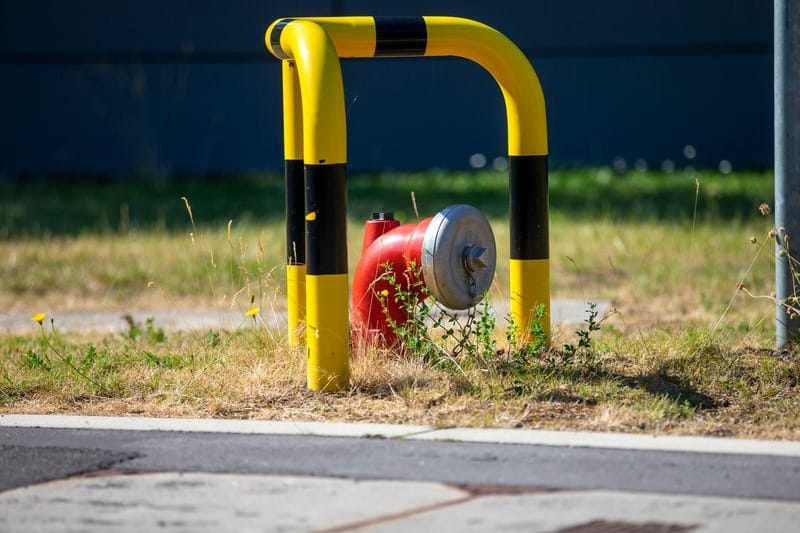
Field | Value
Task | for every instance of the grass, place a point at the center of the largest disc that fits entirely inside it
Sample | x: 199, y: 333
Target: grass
x: 687, y: 352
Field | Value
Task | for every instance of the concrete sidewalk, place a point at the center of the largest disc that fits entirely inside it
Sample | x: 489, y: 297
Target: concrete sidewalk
x: 201, y: 502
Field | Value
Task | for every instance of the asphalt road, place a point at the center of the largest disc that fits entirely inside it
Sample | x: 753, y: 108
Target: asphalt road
x: 33, y: 455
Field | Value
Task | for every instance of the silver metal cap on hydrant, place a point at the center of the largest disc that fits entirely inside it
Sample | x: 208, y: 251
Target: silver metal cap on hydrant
x: 459, y: 256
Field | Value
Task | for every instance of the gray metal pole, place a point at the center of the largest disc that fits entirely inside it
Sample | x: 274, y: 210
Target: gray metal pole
x: 787, y: 166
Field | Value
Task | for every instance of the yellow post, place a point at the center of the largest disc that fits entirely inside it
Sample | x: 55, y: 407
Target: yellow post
x: 325, y: 158
x: 526, y: 118
x: 295, y: 202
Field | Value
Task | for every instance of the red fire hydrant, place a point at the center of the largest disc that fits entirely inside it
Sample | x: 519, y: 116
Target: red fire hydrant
x: 452, y: 254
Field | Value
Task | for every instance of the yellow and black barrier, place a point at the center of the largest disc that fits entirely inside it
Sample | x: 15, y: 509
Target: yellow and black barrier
x: 310, y: 49
x: 295, y: 202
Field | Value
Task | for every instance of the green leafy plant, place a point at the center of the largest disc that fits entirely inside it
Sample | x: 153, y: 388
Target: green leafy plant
x: 153, y: 334
x: 89, y: 359
x: 571, y: 352
x: 150, y: 333
x: 163, y: 361
x: 520, y: 354
x: 521, y: 351
x: 415, y: 300
x: 50, y: 342
x: 451, y: 340
x: 212, y: 338
x: 34, y: 361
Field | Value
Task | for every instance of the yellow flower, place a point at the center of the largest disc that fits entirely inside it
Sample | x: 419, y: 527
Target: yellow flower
x: 253, y: 311
x: 384, y: 293
x: 38, y: 317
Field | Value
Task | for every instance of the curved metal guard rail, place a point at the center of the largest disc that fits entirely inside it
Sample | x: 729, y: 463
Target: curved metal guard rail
x: 353, y: 37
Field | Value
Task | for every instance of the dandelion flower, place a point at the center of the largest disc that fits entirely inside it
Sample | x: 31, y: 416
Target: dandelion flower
x: 39, y: 317
x: 253, y: 311
x: 384, y: 293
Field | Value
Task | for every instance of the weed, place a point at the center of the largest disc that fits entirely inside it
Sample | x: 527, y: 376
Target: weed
x: 163, y: 361
x: 446, y: 340
x: 212, y: 338
x: 134, y: 330
x: 89, y: 359
x: 484, y: 348
x: 437, y: 335
x: 413, y: 296
x: 154, y: 335
x: 664, y: 407
x: 149, y: 333
x: 34, y: 361
x: 572, y: 351
x: 521, y: 351
x: 51, y: 341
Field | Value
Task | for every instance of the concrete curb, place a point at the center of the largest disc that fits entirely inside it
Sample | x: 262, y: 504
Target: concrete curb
x: 576, y: 439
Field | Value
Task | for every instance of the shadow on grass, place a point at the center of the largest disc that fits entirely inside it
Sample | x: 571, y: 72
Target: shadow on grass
x: 659, y: 386
x: 672, y: 388
x: 69, y: 207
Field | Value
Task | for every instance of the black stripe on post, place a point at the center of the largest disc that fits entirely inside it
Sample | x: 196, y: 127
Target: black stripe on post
x: 326, y: 219
x: 527, y: 186
x: 275, y: 38
x: 295, y: 212
x: 400, y: 36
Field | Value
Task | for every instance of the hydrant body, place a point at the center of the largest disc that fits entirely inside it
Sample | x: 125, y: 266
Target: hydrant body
x: 392, y: 251
x: 450, y: 256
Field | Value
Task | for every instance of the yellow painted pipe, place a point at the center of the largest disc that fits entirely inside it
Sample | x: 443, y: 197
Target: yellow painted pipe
x: 522, y: 92
x: 308, y: 49
x: 530, y: 288
x: 327, y: 333
x: 296, y: 302
x: 320, y: 76
x: 292, y: 112
x: 295, y: 203
x: 355, y: 37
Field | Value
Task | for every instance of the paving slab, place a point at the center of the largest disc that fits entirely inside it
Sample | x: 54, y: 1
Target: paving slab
x: 200, y: 502
x: 564, y: 312
x: 604, y: 512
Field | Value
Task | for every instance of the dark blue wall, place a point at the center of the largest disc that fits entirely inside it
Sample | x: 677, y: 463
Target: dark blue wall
x: 160, y: 87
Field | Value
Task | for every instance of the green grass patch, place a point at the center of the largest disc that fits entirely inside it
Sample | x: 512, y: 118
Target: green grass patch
x: 37, y: 208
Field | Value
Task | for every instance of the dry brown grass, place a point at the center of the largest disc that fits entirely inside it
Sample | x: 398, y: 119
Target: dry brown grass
x: 687, y: 353
x: 679, y: 382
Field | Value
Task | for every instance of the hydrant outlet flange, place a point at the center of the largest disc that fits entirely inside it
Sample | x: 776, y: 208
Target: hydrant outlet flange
x: 459, y: 256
